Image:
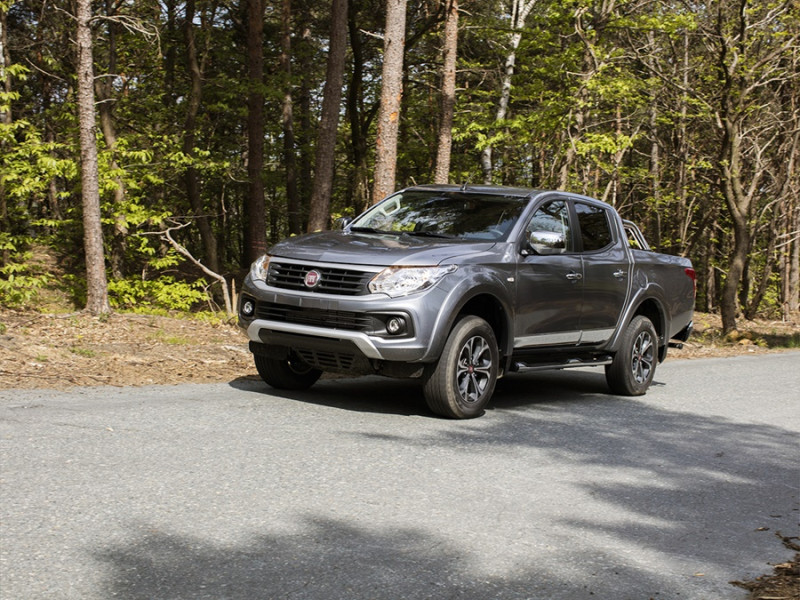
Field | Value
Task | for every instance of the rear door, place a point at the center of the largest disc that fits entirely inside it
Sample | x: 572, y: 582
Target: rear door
x: 606, y: 272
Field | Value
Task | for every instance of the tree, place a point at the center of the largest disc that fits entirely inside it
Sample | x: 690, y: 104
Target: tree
x: 287, y: 119
x: 255, y: 225
x: 749, y: 43
x: 319, y: 210
x: 448, y: 98
x: 391, y: 98
x: 520, y: 9
x: 96, y: 282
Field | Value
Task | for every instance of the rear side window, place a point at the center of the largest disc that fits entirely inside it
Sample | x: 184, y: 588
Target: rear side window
x: 594, y: 225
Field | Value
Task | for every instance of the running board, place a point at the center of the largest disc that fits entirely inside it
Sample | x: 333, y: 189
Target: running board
x: 569, y: 363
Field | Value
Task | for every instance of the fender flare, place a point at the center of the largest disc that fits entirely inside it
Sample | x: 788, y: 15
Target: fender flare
x: 467, y: 290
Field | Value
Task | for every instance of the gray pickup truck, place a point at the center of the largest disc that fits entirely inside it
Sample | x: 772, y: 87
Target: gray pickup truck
x: 460, y: 285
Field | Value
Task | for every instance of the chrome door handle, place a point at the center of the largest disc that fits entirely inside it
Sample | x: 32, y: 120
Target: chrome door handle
x: 574, y: 276
x: 619, y: 273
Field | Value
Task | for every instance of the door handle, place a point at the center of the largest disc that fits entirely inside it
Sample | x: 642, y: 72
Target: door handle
x: 619, y: 273
x: 574, y: 276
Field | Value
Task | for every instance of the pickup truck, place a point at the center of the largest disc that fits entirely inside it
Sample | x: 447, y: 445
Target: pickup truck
x: 460, y: 285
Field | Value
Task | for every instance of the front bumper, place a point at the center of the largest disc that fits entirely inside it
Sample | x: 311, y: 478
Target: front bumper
x: 343, y: 324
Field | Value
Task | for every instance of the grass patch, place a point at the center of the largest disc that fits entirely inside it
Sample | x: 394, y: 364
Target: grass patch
x: 162, y: 337
x: 83, y: 351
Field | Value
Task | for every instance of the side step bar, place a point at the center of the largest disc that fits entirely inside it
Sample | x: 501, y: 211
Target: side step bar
x: 568, y: 363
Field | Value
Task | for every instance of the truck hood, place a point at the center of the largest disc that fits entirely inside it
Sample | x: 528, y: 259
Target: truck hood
x: 374, y: 249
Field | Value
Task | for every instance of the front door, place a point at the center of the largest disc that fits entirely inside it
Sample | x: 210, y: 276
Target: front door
x: 549, y: 281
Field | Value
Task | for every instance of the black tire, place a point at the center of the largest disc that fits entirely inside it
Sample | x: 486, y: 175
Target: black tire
x: 634, y: 365
x: 291, y: 373
x: 461, y: 383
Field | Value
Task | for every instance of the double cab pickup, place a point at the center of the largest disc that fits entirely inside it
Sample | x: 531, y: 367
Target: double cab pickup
x: 461, y: 285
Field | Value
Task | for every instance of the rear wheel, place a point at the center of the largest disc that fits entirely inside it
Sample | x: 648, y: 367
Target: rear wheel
x: 461, y: 383
x: 291, y: 373
x: 634, y: 365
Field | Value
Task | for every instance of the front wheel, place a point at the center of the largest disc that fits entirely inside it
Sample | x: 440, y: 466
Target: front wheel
x: 461, y: 383
x: 634, y: 365
x: 291, y: 373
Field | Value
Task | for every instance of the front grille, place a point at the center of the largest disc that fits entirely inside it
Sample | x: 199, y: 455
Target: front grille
x: 332, y: 319
x: 345, y: 282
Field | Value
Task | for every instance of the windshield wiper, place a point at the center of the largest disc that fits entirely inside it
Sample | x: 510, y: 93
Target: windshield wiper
x: 373, y: 230
x: 432, y: 234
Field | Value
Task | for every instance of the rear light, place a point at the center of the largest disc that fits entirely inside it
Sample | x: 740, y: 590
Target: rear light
x: 693, y: 276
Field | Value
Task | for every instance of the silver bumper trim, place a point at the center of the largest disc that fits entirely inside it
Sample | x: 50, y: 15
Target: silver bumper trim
x: 361, y: 340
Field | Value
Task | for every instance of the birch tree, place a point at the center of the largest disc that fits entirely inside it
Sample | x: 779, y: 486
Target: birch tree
x: 520, y: 9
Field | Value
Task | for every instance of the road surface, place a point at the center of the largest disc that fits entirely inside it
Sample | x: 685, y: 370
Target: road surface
x: 353, y: 490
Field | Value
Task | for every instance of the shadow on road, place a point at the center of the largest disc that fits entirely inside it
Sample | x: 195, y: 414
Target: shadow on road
x: 382, y: 395
x: 692, y: 491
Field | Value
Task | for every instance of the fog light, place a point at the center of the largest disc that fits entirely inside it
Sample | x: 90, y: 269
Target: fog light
x: 396, y: 325
x: 248, y: 308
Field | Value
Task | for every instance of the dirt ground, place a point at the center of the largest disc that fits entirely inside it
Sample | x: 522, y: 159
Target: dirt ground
x: 58, y: 351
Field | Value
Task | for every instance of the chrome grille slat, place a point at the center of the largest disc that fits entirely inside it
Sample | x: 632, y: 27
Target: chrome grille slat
x: 345, y: 282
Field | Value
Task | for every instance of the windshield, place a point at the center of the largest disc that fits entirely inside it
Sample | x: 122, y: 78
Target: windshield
x: 459, y: 215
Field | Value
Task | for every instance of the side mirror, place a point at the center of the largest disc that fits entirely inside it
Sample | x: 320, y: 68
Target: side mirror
x: 547, y: 242
x: 342, y: 222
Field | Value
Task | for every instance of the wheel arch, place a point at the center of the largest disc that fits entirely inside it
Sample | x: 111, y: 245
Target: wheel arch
x: 489, y: 308
x: 485, y: 303
x: 654, y: 310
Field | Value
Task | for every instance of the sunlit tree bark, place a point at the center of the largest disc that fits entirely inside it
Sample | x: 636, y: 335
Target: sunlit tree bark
x: 96, y: 282
x: 391, y: 99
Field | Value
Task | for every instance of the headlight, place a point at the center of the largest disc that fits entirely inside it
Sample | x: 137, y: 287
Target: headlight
x: 401, y: 281
x: 260, y: 268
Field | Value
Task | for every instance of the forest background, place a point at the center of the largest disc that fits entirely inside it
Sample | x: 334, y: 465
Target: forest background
x: 216, y: 127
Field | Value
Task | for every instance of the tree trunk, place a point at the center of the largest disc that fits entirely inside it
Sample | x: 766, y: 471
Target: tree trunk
x: 359, y: 124
x: 287, y: 118
x: 191, y: 176
x: 793, y: 286
x: 738, y: 203
x: 96, y: 282
x: 305, y: 57
x: 391, y: 98
x: 448, y: 99
x: 255, y: 233
x: 319, y: 210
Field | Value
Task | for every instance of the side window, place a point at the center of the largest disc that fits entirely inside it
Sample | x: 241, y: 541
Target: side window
x: 549, y: 229
x: 595, y: 228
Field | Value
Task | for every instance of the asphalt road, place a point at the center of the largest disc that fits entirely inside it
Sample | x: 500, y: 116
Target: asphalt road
x: 353, y: 490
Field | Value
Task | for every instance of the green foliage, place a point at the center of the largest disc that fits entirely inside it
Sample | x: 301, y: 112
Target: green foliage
x: 165, y: 292
x: 615, y: 99
x: 21, y: 279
